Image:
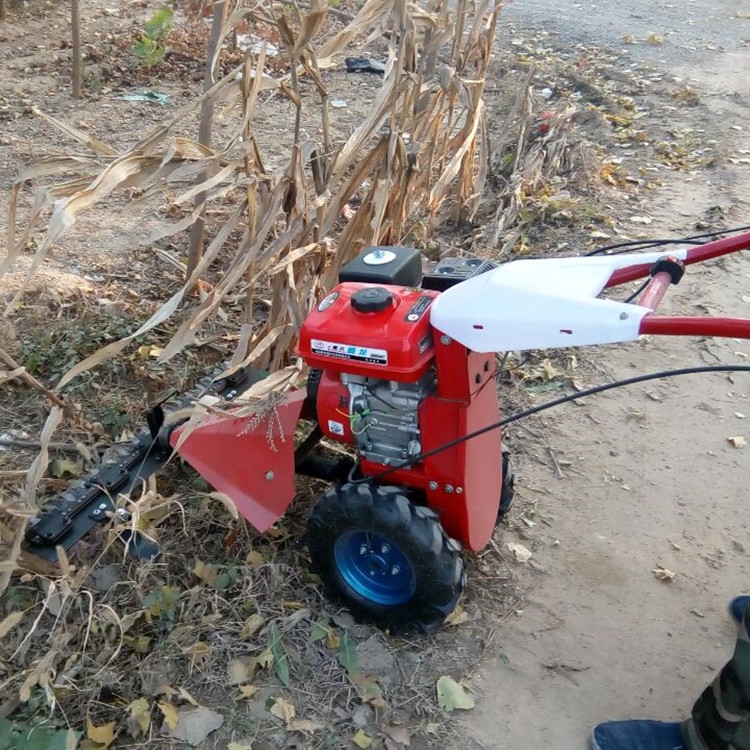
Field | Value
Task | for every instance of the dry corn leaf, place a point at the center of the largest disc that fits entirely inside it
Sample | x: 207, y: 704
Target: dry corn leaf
x: 9, y: 622
x: 737, y: 441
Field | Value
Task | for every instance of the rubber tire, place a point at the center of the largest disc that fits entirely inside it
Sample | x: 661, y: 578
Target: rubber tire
x: 435, y: 559
x: 508, y: 491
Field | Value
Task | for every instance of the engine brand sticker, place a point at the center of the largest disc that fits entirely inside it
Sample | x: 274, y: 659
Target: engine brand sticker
x: 417, y: 310
x: 346, y: 351
x: 335, y: 428
x: 326, y: 302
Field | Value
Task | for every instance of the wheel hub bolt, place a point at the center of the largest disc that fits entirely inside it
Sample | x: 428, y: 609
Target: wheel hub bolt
x: 385, y: 549
x: 363, y: 549
x: 395, y: 570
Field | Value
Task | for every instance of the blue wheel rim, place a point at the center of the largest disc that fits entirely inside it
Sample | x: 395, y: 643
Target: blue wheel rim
x: 374, y: 567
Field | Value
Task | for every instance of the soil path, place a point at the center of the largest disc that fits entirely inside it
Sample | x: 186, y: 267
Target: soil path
x: 652, y: 480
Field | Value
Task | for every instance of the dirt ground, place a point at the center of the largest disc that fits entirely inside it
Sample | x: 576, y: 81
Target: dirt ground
x: 610, y: 488
x: 649, y: 478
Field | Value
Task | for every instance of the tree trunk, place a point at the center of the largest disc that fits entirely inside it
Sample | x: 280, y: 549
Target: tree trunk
x: 76, y: 70
x: 204, y: 132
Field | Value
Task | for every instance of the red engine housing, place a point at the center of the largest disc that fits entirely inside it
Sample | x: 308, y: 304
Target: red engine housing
x: 393, y: 347
x: 394, y: 343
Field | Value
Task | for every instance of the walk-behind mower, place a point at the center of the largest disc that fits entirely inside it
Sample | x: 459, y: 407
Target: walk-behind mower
x: 401, y: 370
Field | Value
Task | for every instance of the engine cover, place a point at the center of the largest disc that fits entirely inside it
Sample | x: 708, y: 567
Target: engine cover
x: 376, y: 331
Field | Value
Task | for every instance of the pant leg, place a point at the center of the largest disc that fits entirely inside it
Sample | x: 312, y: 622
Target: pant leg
x: 721, y: 716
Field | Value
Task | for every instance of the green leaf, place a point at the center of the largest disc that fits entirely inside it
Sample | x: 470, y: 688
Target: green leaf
x: 348, y: 657
x: 62, y: 467
x: 280, y: 658
x: 159, y: 24
x: 141, y: 644
x: 320, y: 630
x: 451, y: 695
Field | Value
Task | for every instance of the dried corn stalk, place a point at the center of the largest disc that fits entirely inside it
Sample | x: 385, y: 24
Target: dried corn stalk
x: 420, y: 155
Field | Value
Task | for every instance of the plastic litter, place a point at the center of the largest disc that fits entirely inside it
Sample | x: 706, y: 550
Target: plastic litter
x: 364, y: 65
x: 146, y: 96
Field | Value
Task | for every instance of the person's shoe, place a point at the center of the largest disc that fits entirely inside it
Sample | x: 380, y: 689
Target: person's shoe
x: 637, y: 735
x: 737, y: 607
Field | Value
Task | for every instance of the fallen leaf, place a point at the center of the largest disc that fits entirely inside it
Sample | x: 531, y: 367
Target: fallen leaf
x: 655, y: 39
x: 252, y: 626
x: 664, y: 574
x: 451, y: 695
x: 64, y: 467
x: 319, y: 631
x: 248, y: 691
x: 254, y: 558
x: 241, y: 670
x: 207, y: 573
x: 103, y: 735
x: 279, y: 655
x: 627, y: 39
x: 361, y: 740
x: 399, y: 734
x: 737, y: 441
x: 332, y: 640
x: 283, y: 709
x: 198, y: 652
x: 348, y: 657
x: 141, y: 644
x: 171, y: 714
x: 521, y: 553
x: 238, y: 746
x: 457, y: 617
x: 139, y: 717
x: 640, y: 219
x: 195, y: 724
x: 263, y: 660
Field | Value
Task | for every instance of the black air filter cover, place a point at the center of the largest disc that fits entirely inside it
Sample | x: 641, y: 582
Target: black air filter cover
x: 400, y: 266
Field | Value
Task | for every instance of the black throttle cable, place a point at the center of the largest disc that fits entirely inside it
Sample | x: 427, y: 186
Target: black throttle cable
x: 548, y: 405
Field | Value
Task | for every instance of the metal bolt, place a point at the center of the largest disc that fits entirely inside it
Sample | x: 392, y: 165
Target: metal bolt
x: 395, y: 570
x: 96, y: 512
x: 445, y: 340
x: 432, y: 485
x: 623, y: 316
x: 459, y: 490
x: 385, y: 549
x: 269, y: 475
x: 362, y: 549
x: 448, y: 488
x: 103, y: 506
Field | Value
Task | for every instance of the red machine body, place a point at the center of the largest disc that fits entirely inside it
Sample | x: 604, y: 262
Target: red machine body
x: 389, y: 366
x: 394, y: 342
